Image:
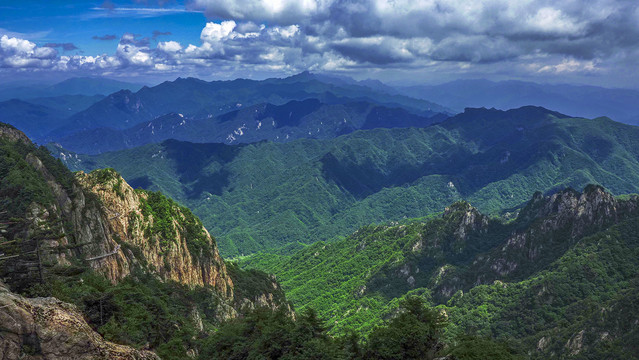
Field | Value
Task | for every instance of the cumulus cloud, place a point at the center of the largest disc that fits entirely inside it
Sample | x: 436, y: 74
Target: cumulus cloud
x: 285, y: 12
x: 538, y: 36
x: 169, y: 46
x: 20, y: 53
x: 456, y: 30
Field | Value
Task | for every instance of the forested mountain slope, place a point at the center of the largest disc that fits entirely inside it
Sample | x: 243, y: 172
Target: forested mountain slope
x: 560, y: 278
x: 265, y: 195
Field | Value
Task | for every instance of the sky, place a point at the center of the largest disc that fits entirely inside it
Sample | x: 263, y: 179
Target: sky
x: 397, y: 41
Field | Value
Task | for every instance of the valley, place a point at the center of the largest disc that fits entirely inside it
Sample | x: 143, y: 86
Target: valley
x: 319, y: 180
x: 265, y: 195
x: 504, y: 234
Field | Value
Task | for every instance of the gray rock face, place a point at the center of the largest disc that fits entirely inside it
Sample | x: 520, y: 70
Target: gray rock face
x: 49, y: 329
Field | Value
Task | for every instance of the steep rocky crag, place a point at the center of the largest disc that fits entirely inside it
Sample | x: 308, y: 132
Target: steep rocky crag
x: 46, y: 328
x: 54, y: 224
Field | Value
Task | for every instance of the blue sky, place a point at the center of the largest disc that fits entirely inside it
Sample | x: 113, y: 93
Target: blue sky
x: 77, y: 22
x: 400, y: 41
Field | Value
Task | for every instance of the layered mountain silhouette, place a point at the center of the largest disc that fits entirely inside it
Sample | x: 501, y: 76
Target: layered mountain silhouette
x: 264, y: 195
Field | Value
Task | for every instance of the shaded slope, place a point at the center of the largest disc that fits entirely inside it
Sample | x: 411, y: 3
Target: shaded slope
x: 307, y: 190
x: 309, y: 118
x: 197, y: 98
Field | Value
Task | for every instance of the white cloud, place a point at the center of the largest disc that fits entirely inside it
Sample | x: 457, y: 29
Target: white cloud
x: 552, y: 20
x: 569, y: 66
x: 134, y: 55
x: 214, y: 32
x: 16, y: 46
x: 169, y: 46
x: 282, y: 11
x: 536, y: 36
x: 20, y: 53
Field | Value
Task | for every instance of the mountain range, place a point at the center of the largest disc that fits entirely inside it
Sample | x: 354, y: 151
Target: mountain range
x: 295, y: 119
x: 577, y: 100
x: 37, y: 110
x: 360, y: 221
x: 200, y: 99
x: 266, y: 195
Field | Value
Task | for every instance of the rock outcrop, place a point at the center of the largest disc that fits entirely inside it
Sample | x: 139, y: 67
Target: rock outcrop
x: 48, y: 329
x: 127, y: 215
x: 64, y: 223
x: 546, y: 228
x: 101, y: 221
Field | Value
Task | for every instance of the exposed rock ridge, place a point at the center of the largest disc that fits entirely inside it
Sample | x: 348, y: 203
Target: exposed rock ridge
x: 170, y: 258
x: 12, y: 134
x: 98, y: 220
x: 565, y: 216
x: 544, y: 230
x: 106, y: 230
x: 471, y: 220
x: 49, y: 329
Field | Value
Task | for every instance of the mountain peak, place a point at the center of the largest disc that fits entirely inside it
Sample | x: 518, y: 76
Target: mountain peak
x: 10, y: 133
x: 303, y: 76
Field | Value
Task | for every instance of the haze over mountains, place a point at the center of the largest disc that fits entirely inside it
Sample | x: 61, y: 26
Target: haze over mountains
x: 262, y: 195
x: 293, y: 176
x: 87, y: 86
x: 319, y: 180
x: 577, y: 100
x: 78, y: 113
x: 38, y: 109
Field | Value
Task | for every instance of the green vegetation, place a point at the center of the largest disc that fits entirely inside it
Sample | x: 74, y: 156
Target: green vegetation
x: 414, y: 333
x: 24, y: 192
x: 555, y: 278
x: 108, y: 176
x: 144, y: 312
x: 358, y: 281
x: 38, y: 199
x: 262, y: 196
x: 165, y: 213
x: 21, y: 184
x: 140, y: 311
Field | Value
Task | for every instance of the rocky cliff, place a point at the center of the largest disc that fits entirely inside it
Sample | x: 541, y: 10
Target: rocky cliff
x: 147, y: 228
x: 463, y: 248
x: 55, y: 225
x: 46, y: 328
x: 544, y: 230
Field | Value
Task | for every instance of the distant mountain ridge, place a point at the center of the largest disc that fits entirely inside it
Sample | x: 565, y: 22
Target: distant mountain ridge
x: 576, y: 100
x: 293, y: 120
x: 87, y: 86
x: 37, y: 110
x: 197, y: 98
x: 39, y: 116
